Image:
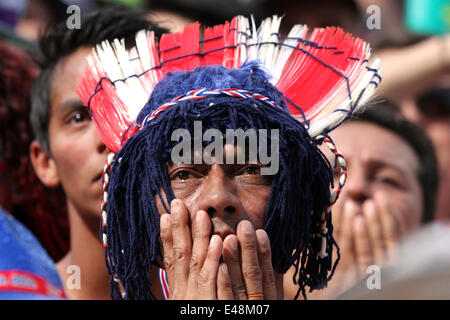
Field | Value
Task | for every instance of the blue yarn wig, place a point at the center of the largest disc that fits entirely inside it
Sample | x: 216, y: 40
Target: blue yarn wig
x: 300, y: 190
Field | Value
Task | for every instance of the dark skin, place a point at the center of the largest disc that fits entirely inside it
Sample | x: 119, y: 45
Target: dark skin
x: 213, y: 241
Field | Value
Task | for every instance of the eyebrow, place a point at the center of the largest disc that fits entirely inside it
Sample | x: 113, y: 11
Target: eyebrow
x: 205, y: 166
x: 70, y: 104
x: 379, y: 163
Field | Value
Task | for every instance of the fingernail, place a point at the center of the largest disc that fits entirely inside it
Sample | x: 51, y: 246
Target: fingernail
x: 223, y: 269
x: 369, y: 207
x: 199, y: 217
x: 247, y: 227
x: 214, y: 241
x: 174, y: 204
x: 349, y: 207
x: 262, y: 237
x: 233, y: 243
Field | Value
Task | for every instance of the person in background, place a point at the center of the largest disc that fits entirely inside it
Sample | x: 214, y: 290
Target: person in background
x: 26, y: 269
x: 390, y: 191
x: 67, y: 150
x: 417, y: 78
x: 422, y: 271
x: 344, y: 14
x: 21, y: 193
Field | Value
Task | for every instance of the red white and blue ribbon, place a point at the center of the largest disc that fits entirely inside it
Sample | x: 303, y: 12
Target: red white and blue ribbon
x: 334, y: 196
x: 164, y: 283
x: 203, y: 93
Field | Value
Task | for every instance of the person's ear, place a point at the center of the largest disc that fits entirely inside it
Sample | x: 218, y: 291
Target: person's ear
x: 44, y: 165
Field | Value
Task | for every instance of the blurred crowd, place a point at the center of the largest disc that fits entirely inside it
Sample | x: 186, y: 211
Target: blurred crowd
x: 397, y: 150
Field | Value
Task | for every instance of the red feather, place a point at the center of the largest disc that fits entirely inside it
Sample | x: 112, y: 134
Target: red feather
x: 170, y: 48
x: 311, y: 75
x: 317, y: 76
x: 212, y: 45
x: 109, y: 113
x: 229, y: 33
x: 180, y: 51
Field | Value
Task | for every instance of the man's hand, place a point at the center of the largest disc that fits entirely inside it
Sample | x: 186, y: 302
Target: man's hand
x: 366, y: 235
x: 247, y: 271
x: 192, y: 259
x: 369, y: 236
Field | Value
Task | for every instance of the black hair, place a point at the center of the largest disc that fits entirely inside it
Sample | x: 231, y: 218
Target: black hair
x: 207, y: 12
x: 305, y: 8
x: 386, y: 115
x: 106, y: 24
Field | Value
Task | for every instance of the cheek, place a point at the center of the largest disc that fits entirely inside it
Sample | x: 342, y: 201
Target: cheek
x: 69, y: 147
x: 70, y: 156
x: 412, y: 210
x: 410, y: 207
x: 255, y: 204
x: 253, y: 199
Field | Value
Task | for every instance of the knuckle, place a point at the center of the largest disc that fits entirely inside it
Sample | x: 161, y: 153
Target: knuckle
x: 203, y: 278
x: 391, y: 236
x: 175, y: 294
x: 168, y: 263
x: 252, y: 273
x: 267, y: 274
x: 175, y: 223
x: 233, y: 259
x: 165, y: 235
x: 195, y: 263
x: 179, y: 254
x: 265, y: 251
x: 238, y: 287
x: 270, y: 286
x: 248, y: 243
x: 223, y: 282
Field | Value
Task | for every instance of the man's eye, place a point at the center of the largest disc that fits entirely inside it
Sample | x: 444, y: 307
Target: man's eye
x: 253, y: 170
x: 79, y: 117
x: 387, y: 180
x: 183, y: 175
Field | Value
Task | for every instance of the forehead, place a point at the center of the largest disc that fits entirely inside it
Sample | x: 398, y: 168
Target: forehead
x: 364, y: 141
x: 66, y: 75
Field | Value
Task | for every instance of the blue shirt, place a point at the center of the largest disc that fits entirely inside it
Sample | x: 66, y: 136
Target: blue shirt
x: 26, y: 270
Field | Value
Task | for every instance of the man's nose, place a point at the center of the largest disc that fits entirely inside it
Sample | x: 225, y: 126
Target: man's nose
x: 97, y: 141
x: 357, y: 187
x: 218, y: 197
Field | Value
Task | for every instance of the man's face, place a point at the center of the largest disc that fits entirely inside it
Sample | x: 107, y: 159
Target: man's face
x: 430, y: 110
x: 380, y: 164
x: 229, y: 193
x: 75, y: 146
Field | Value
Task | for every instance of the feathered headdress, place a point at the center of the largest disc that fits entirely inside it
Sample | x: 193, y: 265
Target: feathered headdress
x: 232, y: 75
